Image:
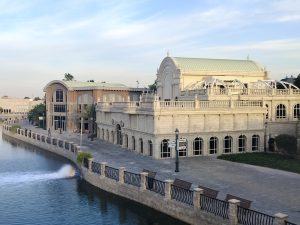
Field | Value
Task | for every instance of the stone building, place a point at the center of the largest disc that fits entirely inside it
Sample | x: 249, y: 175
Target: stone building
x: 219, y: 106
x: 66, y: 101
x: 15, y: 108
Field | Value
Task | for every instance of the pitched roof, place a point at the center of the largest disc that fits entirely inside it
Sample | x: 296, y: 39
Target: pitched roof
x: 202, y: 64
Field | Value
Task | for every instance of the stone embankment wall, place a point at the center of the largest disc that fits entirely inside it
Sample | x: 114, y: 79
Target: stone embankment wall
x: 189, y: 206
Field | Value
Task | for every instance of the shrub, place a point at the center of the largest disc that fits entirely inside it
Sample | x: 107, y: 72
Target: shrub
x: 83, y: 155
x: 14, y: 128
x: 287, y: 144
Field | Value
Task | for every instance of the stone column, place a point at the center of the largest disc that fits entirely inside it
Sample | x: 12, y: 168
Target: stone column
x: 196, y: 199
x: 168, y: 184
x: 121, y: 174
x: 103, y: 165
x: 143, y: 181
x: 232, y: 211
x: 280, y: 219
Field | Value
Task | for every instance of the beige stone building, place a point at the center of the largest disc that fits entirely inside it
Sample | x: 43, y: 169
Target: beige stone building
x: 66, y: 101
x: 15, y: 108
x: 219, y: 106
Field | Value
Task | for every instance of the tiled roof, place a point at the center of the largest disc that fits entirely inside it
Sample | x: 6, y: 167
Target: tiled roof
x: 224, y: 65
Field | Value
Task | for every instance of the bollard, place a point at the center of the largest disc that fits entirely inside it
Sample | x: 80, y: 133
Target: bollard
x: 196, y: 199
x: 121, y: 174
x: 280, y: 219
x: 168, y: 184
x: 143, y: 181
x: 103, y: 165
x: 232, y: 211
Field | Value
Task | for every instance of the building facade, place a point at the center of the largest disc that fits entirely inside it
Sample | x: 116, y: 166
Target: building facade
x: 218, y: 106
x: 67, y: 102
x: 16, y: 108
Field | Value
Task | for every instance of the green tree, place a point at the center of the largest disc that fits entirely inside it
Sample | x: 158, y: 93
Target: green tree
x: 287, y: 144
x: 68, y: 77
x: 36, y: 112
x: 36, y: 99
x: 297, y: 81
x: 1, y: 110
x: 153, y: 87
x: 26, y: 97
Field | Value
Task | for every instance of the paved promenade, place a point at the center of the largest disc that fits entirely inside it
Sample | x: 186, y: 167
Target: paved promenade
x: 270, y: 190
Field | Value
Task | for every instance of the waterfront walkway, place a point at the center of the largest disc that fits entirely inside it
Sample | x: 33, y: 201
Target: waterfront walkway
x: 270, y: 190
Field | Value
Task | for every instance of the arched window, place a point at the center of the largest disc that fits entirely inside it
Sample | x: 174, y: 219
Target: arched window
x: 141, y: 145
x: 255, y: 142
x: 150, y: 146
x: 197, y: 146
x: 133, y: 142
x: 112, y: 136
x: 126, y: 140
x: 59, y: 95
x: 165, y: 151
x: 119, y: 135
x: 280, y: 111
x: 107, y: 135
x: 102, y: 134
x: 213, y: 145
x: 242, y: 143
x: 297, y: 111
x: 227, y: 144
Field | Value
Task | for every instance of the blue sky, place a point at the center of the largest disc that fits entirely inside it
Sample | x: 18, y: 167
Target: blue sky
x: 125, y: 41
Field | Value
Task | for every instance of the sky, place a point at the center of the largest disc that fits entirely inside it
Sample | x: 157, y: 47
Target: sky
x: 125, y: 41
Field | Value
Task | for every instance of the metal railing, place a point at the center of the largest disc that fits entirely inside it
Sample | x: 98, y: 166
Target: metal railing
x: 132, y: 178
x: 61, y: 143
x: 96, y: 168
x: 112, y: 173
x: 182, y: 194
x: 251, y: 217
x: 67, y: 145
x: 215, y: 206
x: 72, y: 147
x: 86, y: 163
x: 156, y: 186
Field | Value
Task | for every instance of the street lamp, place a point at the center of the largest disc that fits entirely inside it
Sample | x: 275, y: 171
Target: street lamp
x: 176, y: 148
x: 265, y: 138
x: 92, y: 133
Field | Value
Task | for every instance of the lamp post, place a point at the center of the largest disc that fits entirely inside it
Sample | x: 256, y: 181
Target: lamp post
x: 92, y: 134
x: 81, y: 130
x: 176, y: 148
x: 265, y: 137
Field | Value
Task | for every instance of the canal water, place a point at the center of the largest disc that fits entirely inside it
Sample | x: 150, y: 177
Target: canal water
x: 38, y: 188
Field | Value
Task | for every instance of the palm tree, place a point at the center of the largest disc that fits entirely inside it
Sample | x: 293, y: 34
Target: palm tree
x: 68, y: 77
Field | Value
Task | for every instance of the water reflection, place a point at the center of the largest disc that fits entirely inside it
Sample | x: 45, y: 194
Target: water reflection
x: 122, y: 208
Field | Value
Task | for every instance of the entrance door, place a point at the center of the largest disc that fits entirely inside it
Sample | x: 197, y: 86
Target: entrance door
x: 119, y: 135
